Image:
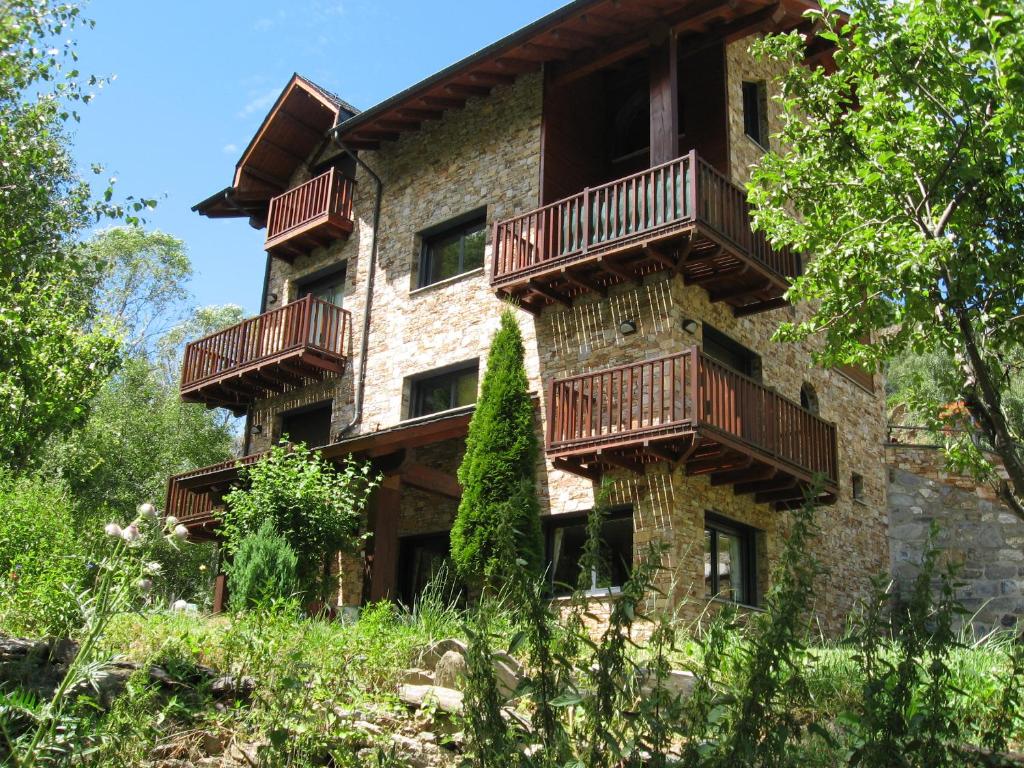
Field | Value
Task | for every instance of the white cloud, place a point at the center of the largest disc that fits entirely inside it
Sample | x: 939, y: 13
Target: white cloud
x: 259, y: 103
x: 230, y: 149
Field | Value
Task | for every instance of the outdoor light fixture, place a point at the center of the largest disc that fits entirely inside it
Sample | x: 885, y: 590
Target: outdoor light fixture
x: 690, y: 326
x: 271, y: 298
x: 257, y: 429
x: 627, y: 327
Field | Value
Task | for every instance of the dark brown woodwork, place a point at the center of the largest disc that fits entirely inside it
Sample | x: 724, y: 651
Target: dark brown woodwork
x: 309, y: 215
x: 431, y: 480
x: 664, y: 103
x: 383, y: 524
x: 691, y: 410
x: 220, y: 592
x: 635, y: 226
x: 291, y: 346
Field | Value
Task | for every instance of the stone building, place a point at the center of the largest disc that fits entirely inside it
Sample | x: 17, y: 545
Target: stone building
x: 588, y: 169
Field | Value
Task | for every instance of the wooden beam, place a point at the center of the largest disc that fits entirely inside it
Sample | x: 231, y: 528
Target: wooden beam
x: 383, y: 517
x: 576, y: 468
x: 584, y: 282
x: 609, y: 266
x: 660, y: 256
x: 760, y: 486
x: 444, y: 102
x: 762, y: 306
x: 619, y: 460
x: 548, y: 293
x: 420, y: 114
x: 765, y: 19
x: 512, y: 64
x: 661, y: 452
x: 771, y: 497
x: 378, y: 133
x: 464, y: 89
x: 431, y: 480
x: 664, y: 100
x: 744, y: 474
x: 492, y: 78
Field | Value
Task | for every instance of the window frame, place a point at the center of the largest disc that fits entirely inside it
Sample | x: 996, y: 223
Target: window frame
x: 319, y: 405
x: 453, y: 372
x: 857, y: 487
x: 334, y: 275
x: 747, y: 536
x: 760, y: 117
x: 752, y: 359
x: 553, y: 522
x: 468, y: 223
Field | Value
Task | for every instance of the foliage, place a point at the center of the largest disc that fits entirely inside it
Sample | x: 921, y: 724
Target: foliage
x: 53, y: 356
x: 905, y: 173
x: 263, y: 569
x: 141, y: 282
x: 315, y: 505
x: 170, y: 348
x: 498, y: 470
x: 43, y: 562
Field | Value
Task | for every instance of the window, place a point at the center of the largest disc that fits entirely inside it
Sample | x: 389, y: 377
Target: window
x: 443, y: 391
x: 310, y: 425
x: 733, y: 354
x: 809, y: 398
x: 426, y: 561
x: 729, y: 568
x: 857, y: 486
x: 566, y: 536
x: 328, y: 286
x: 455, y: 248
x: 755, y: 112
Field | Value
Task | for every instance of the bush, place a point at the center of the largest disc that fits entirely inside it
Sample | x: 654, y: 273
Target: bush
x: 42, y: 558
x: 317, y: 507
x: 498, y: 470
x: 264, y: 569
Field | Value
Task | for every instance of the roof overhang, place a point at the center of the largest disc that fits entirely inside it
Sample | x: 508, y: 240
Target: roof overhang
x: 294, y: 128
x: 581, y: 37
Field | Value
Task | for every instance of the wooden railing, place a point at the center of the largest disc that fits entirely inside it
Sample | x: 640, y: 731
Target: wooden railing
x: 188, y: 505
x: 622, y: 405
x: 330, y: 192
x: 307, y: 323
x: 684, y: 190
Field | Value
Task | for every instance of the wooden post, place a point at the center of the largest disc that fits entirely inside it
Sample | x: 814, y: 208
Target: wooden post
x: 220, y: 592
x: 664, y: 88
x: 384, y: 508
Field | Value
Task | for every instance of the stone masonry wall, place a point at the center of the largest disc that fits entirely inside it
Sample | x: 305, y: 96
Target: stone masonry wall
x: 977, y: 532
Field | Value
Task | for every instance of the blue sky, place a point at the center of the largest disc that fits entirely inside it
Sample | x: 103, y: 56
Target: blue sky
x: 194, y: 79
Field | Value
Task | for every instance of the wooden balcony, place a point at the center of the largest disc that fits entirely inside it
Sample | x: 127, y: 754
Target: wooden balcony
x: 688, y: 409
x: 683, y: 217
x: 288, y: 347
x: 312, y: 214
x: 193, y: 497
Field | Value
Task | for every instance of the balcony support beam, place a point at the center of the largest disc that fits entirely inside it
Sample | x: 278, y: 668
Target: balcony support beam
x: 618, y: 460
x: 548, y: 293
x: 577, y: 279
x: 664, y: 99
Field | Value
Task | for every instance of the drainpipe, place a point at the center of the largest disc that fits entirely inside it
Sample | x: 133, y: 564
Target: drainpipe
x: 357, y: 414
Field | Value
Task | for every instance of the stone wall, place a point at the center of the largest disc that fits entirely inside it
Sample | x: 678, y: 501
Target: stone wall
x: 977, y: 533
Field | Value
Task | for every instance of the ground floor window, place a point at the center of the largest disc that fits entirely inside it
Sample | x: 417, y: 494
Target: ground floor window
x: 566, y: 537
x: 729, y: 567
x: 426, y: 561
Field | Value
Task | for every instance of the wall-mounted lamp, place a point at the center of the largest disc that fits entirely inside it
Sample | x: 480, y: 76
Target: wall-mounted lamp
x: 627, y: 327
x: 271, y: 298
x: 690, y: 326
x: 257, y: 429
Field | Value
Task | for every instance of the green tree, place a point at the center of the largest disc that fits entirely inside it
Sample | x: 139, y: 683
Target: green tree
x: 317, y: 507
x: 904, y: 170
x: 53, y: 356
x: 264, y: 569
x: 498, y: 471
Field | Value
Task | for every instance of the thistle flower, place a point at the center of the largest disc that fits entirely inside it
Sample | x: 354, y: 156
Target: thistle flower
x: 181, y: 531
x: 112, y: 529
x: 170, y: 521
x: 146, y: 510
x: 145, y: 585
x: 131, y: 534
x: 179, y: 606
x: 153, y: 568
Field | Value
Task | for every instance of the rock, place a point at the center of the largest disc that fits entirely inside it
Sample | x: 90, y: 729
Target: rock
x: 433, y: 654
x: 420, y: 754
x: 677, y: 683
x: 417, y: 676
x: 231, y: 687
x: 445, y: 699
x: 212, y: 744
x: 450, y: 671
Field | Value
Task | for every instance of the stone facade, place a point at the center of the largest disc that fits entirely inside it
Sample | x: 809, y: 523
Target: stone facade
x: 977, y: 533
x: 488, y: 156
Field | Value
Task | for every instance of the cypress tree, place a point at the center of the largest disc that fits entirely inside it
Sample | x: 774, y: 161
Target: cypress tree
x: 498, y: 471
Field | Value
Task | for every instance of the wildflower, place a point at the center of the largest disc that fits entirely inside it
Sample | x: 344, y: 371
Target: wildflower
x: 146, y: 510
x: 170, y: 521
x: 145, y: 585
x: 181, y: 531
x: 179, y: 606
x: 112, y: 529
x: 202, y: 567
x: 153, y: 568
x: 131, y: 534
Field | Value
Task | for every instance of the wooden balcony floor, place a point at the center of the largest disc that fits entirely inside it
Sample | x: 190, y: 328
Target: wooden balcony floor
x: 702, y: 256
x: 701, y: 450
x: 266, y: 377
x: 320, y: 231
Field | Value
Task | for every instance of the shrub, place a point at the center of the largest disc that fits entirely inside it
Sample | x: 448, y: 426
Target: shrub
x: 263, y: 569
x: 317, y: 507
x: 497, y: 471
x: 42, y: 559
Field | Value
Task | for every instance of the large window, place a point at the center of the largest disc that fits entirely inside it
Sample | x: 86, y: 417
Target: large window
x: 328, y: 286
x: 566, y: 537
x: 755, y: 112
x: 425, y: 561
x: 310, y: 425
x: 455, y: 248
x: 729, y: 567
x: 733, y: 354
x: 442, y: 391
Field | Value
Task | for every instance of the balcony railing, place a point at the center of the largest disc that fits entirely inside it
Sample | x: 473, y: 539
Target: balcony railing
x: 683, y: 216
x: 290, y: 346
x: 689, y: 408
x: 311, y: 214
